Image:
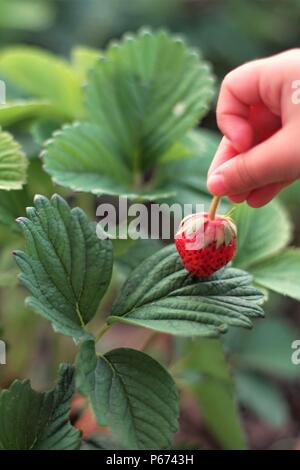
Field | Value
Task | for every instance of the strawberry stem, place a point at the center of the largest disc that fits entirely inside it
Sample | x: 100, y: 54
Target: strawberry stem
x: 213, y: 207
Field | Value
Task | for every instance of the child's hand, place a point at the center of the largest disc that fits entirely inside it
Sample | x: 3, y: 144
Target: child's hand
x: 258, y: 112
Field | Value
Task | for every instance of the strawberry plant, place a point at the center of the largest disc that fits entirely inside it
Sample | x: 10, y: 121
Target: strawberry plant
x: 131, y: 131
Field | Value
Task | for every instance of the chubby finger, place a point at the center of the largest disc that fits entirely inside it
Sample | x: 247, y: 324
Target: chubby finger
x: 225, y: 152
x: 273, y: 161
x: 263, y: 122
x: 260, y: 197
x: 238, y: 198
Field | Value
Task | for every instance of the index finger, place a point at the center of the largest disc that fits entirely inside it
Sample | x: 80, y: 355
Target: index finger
x: 225, y: 152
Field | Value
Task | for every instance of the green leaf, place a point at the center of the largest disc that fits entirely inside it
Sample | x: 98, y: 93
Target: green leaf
x: 82, y: 158
x: 220, y: 412
x: 12, y: 204
x: 161, y: 295
x: 86, y: 362
x: 135, y: 116
x: 13, y: 163
x: 83, y: 58
x: 15, y: 112
x: 183, y: 171
x: 259, y: 234
x: 100, y: 441
x: 134, y: 395
x: 43, y: 75
x: 39, y: 182
x: 281, y: 273
x: 26, y: 15
x: 290, y: 196
x: 268, y: 349
x: 86, y: 365
x: 42, y: 129
x: 207, y: 374
x: 202, y: 358
x: 66, y: 267
x: 30, y: 420
x: 263, y: 398
x: 260, y: 248
x: 137, y: 252
x: 147, y: 91
x: 8, y: 269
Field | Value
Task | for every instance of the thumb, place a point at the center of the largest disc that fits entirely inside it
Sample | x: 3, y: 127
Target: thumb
x: 275, y: 160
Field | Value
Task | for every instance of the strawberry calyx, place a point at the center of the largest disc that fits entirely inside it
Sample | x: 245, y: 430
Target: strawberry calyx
x: 201, y: 228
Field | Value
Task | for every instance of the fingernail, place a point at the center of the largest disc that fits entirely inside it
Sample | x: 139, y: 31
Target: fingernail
x: 216, y: 185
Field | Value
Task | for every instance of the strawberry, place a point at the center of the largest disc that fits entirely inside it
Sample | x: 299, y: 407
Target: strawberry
x: 206, y: 242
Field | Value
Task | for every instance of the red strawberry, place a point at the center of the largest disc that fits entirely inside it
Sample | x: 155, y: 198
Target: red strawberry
x: 206, y: 242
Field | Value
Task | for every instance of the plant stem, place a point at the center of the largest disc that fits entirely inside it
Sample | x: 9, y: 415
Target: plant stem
x: 101, y: 332
x: 213, y: 207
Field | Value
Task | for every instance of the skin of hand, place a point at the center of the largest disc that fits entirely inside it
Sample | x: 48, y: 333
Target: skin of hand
x: 258, y: 112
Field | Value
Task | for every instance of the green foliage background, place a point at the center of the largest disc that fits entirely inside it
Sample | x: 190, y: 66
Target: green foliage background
x: 227, y: 33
